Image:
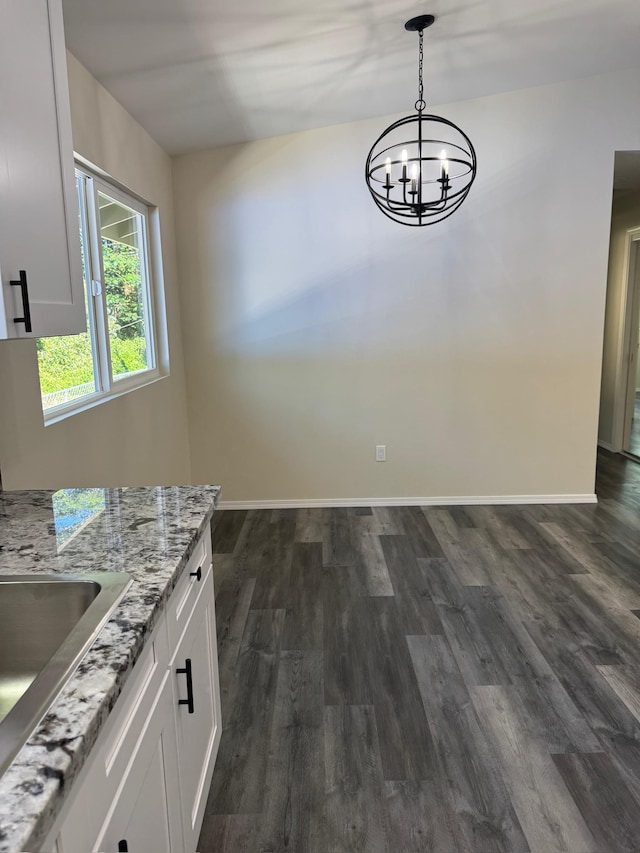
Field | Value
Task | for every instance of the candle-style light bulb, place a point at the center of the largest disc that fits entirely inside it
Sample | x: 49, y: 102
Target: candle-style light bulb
x: 414, y: 178
x: 387, y: 168
x: 404, y: 157
x: 444, y: 165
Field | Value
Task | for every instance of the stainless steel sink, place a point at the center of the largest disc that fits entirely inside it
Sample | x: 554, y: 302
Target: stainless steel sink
x: 47, y: 623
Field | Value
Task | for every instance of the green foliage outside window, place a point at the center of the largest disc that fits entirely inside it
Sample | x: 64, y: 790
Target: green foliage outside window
x: 65, y: 362
x: 122, y: 286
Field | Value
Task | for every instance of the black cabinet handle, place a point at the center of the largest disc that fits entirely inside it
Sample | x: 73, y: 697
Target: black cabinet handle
x: 123, y: 847
x: 189, y: 700
x: 26, y: 311
x: 197, y: 575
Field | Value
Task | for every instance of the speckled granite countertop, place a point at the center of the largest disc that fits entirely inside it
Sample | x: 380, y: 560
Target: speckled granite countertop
x: 149, y: 533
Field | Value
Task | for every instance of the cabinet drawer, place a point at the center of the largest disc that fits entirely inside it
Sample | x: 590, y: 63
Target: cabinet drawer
x: 185, y: 594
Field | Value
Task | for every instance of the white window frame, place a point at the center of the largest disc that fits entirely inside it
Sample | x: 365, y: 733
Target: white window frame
x: 93, y: 182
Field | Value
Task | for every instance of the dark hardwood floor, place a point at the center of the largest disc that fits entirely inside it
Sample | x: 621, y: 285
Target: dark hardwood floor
x: 430, y: 679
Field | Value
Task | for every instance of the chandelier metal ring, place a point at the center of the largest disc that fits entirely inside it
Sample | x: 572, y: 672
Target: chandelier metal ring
x: 424, y: 178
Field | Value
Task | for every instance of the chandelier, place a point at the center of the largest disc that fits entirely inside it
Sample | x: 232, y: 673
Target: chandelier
x: 420, y: 169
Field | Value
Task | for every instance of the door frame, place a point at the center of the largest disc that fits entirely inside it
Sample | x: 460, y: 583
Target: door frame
x: 629, y: 338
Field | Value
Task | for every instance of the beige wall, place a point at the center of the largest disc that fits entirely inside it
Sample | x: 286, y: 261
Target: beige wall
x: 315, y: 328
x: 625, y: 215
x: 141, y: 437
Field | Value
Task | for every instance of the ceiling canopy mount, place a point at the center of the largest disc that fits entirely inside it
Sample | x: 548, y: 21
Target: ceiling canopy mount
x: 417, y: 25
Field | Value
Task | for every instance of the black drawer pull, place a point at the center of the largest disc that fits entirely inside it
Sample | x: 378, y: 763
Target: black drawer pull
x: 197, y: 575
x: 26, y: 311
x: 123, y: 847
x: 189, y: 700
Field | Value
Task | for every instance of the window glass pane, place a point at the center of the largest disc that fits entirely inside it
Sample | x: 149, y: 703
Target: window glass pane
x: 125, y: 286
x: 66, y: 363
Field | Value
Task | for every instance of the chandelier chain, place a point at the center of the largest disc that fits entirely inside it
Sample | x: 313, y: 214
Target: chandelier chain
x: 420, y: 103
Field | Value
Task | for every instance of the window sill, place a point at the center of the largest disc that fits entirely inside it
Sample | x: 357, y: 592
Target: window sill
x: 59, y: 413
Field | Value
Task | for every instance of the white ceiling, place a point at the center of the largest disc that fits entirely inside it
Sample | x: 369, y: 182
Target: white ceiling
x: 202, y: 73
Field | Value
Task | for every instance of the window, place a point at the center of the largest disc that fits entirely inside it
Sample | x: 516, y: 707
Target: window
x: 118, y: 352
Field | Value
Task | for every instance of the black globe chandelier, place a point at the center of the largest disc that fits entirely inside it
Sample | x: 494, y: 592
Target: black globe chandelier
x: 420, y: 169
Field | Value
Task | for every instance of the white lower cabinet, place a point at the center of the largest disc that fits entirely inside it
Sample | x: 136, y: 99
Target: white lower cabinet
x: 145, y: 814
x: 144, y: 787
x: 197, y: 704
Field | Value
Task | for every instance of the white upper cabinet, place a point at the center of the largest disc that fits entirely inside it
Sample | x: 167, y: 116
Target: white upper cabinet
x: 39, y: 231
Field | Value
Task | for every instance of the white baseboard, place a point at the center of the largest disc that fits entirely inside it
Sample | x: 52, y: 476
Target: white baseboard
x: 432, y: 501
x: 606, y: 446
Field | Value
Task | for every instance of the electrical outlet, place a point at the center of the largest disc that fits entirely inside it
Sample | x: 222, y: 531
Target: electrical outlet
x: 381, y: 452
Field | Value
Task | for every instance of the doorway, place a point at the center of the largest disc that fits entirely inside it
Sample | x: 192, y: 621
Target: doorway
x: 619, y: 427
x: 631, y: 360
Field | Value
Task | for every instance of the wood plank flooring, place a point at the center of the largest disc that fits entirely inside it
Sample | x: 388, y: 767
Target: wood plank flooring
x: 455, y: 680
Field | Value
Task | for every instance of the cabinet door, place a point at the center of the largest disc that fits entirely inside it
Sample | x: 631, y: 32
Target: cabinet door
x: 145, y: 814
x: 39, y: 231
x: 198, y: 725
